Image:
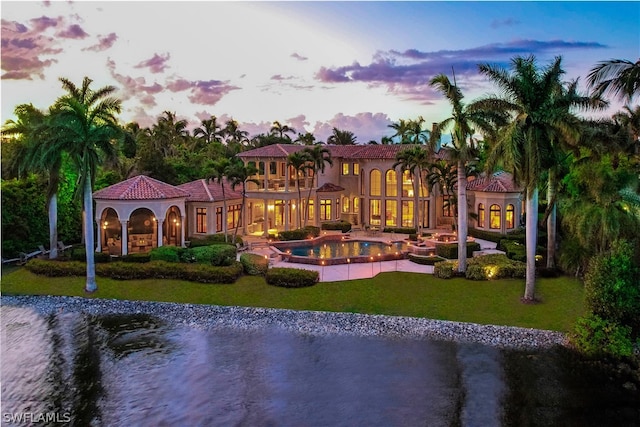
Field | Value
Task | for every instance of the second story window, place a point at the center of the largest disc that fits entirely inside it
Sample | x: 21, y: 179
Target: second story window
x: 356, y: 169
x: 345, y: 169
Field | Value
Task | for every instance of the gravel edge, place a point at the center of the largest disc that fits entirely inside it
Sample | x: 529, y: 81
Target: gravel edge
x: 301, y: 322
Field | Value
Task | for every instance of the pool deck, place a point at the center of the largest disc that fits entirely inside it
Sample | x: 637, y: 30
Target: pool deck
x: 359, y: 270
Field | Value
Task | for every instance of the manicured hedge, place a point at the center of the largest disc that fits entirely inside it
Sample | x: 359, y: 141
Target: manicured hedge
x: 425, y: 259
x: 299, y: 234
x: 217, y: 255
x: 400, y: 230
x: 485, y: 235
x: 445, y: 269
x: 166, y: 253
x: 213, y: 239
x: 450, y: 250
x: 151, y: 270
x: 291, y: 277
x: 343, y: 226
x: 137, y: 257
x: 513, y: 249
x: 494, y: 266
x: 254, y: 265
x: 80, y: 254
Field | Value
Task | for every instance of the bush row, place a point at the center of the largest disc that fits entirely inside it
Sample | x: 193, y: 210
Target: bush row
x: 213, y: 239
x: 291, y: 277
x: 136, y: 271
x: 80, y: 254
x: 450, y: 250
x: 425, y: 259
x: 445, y: 269
x: 495, y: 266
x: 254, y: 265
x: 400, y: 230
x: 299, y: 234
x: 217, y: 254
x: 343, y: 226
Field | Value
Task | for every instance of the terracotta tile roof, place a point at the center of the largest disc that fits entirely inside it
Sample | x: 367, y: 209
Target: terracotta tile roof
x: 200, y: 191
x: 274, y: 150
x: 140, y: 187
x: 352, y: 152
x: 499, y: 182
x: 329, y: 187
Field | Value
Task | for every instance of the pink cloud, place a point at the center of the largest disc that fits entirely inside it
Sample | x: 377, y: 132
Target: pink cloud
x: 134, y: 87
x: 44, y: 22
x: 156, y: 64
x: 74, y: 31
x: 206, y: 92
x: 366, y: 126
x: 298, y: 56
x: 104, y: 43
x: 23, y: 49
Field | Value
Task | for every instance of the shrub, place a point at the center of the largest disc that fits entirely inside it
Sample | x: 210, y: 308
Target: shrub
x: 291, y: 277
x: 299, y: 234
x: 596, y: 337
x: 425, y: 259
x: 485, y: 235
x: 213, y: 239
x: 413, y: 237
x: 445, y: 269
x: 217, y: 255
x: 513, y: 249
x: 450, y: 250
x: 166, y: 253
x: 253, y: 264
x: 343, y: 226
x: 80, y: 254
x: 611, y: 285
x: 137, y: 257
x: 53, y: 268
x: 400, y: 230
x: 495, y: 266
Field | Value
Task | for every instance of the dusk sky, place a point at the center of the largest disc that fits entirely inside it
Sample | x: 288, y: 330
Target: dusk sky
x: 358, y: 66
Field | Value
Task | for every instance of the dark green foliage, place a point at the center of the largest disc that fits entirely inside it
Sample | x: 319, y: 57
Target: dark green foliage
x: 413, y: 237
x: 253, y: 264
x: 597, y: 337
x: 213, y: 239
x: 514, y: 250
x: 138, y: 257
x: 612, y: 285
x: 425, y: 259
x: 445, y: 269
x: 25, y: 224
x: 218, y: 255
x: 400, y: 230
x: 130, y: 271
x: 300, y: 233
x: 450, y: 250
x: 495, y: 266
x: 166, y: 253
x: 79, y: 253
x: 291, y: 277
x: 343, y: 226
x: 485, y: 235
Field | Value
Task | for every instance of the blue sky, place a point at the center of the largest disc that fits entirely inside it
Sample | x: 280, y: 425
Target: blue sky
x: 358, y: 66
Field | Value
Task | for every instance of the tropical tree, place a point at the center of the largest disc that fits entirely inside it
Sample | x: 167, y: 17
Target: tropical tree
x: 403, y: 129
x: 529, y: 94
x: 299, y: 160
x: 319, y: 157
x: 306, y: 139
x: 234, y: 138
x: 219, y: 170
x: 341, y: 137
x: 416, y: 134
x: 240, y: 174
x: 617, y: 77
x: 85, y: 126
x: 281, y: 131
x: 415, y: 160
x: 209, y: 131
x: 465, y: 121
x: 169, y: 134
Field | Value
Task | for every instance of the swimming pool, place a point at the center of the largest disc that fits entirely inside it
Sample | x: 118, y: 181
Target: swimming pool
x: 330, y: 250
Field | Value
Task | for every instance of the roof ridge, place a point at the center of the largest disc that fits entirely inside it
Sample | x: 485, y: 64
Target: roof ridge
x: 206, y: 188
x: 282, y: 149
x: 132, y: 185
x: 155, y: 187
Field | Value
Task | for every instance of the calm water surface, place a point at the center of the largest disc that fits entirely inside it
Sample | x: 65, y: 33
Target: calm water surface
x: 134, y: 370
x: 345, y: 249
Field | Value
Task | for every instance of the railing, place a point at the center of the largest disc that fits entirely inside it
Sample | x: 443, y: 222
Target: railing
x: 278, y: 184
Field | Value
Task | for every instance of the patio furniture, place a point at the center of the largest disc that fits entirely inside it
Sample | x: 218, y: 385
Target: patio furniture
x: 24, y: 257
x: 62, y: 247
x: 43, y: 251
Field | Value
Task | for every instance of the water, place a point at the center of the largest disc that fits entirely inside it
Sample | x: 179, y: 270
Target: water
x: 345, y: 249
x: 136, y: 370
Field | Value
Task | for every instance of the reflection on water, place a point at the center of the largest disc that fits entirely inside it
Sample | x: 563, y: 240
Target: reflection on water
x: 134, y: 370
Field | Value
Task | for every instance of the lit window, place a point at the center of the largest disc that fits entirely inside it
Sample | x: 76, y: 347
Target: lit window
x: 201, y: 220
x: 375, y: 183
x: 233, y: 216
x: 494, y: 216
x: 391, y: 183
x: 374, y: 212
x: 345, y: 169
x: 356, y: 205
x: 218, y: 220
x: 448, y: 208
x: 480, y: 215
x: 356, y: 169
x: 345, y: 204
x: 510, y: 215
x: 407, y: 184
x: 391, y: 213
x: 325, y: 209
x: 407, y: 213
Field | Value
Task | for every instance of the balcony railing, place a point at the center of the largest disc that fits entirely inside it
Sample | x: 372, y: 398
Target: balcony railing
x: 278, y: 184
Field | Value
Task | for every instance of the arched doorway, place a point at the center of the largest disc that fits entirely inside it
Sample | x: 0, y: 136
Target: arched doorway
x: 171, y: 230
x: 111, y: 232
x: 142, y: 231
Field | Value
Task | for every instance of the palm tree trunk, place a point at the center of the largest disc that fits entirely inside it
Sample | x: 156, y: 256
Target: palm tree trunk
x: 224, y: 217
x: 531, y: 236
x: 306, y: 210
x: 299, y: 201
x: 462, y: 218
x: 91, y: 285
x: 416, y: 207
x: 551, y: 221
x: 53, y: 226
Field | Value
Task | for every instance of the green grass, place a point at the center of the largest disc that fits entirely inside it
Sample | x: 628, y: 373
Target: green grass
x: 403, y: 294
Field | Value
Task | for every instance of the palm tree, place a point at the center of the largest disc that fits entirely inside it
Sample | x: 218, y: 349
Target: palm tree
x: 319, y: 157
x: 617, y: 77
x: 465, y: 121
x: 299, y: 160
x: 219, y: 170
x: 281, y: 130
x: 530, y: 95
x: 403, y: 129
x: 234, y: 137
x: 415, y: 160
x: 415, y: 133
x: 306, y: 139
x: 85, y: 126
x: 240, y: 174
x: 169, y: 134
x: 209, y: 131
x: 341, y: 137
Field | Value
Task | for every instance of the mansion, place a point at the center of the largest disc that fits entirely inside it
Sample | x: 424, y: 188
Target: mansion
x: 361, y: 187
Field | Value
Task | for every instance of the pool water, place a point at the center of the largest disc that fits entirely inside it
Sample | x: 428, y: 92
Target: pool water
x: 345, y: 249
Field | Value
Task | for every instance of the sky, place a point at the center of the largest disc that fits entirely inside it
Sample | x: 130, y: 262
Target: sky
x: 357, y: 66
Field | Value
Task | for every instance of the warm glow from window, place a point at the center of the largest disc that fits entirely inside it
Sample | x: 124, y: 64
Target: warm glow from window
x: 407, y: 213
x: 480, y: 215
x: 325, y: 209
x: 356, y: 205
x: 407, y: 184
x: 375, y: 183
x: 391, y: 183
x: 345, y: 204
x: 374, y: 212
x: 494, y: 216
x: 391, y: 213
x: 356, y: 169
x: 345, y: 169
x: 509, y: 218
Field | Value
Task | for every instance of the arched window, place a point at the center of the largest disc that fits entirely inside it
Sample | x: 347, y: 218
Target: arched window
x: 510, y: 216
x: 407, y: 184
x: 375, y: 183
x: 391, y: 183
x: 480, y: 215
x: 494, y: 216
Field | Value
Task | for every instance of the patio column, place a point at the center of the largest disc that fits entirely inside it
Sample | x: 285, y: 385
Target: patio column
x: 160, y: 224
x: 182, y: 231
x: 99, y: 236
x: 125, y: 237
x: 265, y: 223
x: 287, y: 212
x: 286, y: 177
x: 266, y: 176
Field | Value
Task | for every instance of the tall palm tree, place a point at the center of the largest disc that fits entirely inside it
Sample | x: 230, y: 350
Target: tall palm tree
x: 465, y: 122
x: 319, y: 157
x: 281, y: 130
x: 169, y: 134
x: 415, y: 133
x: 403, y: 129
x: 85, y: 126
x: 299, y: 160
x: 209, y: 131
x: 523, y: 146
x: 617, y: 77
x: 240, y: 174
x: 341, y: 137
x: 219, y: 171
x: 306, y: 139
x: 416, y: 161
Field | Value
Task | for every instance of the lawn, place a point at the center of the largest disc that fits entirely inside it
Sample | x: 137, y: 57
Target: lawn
x: 402, y: 294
